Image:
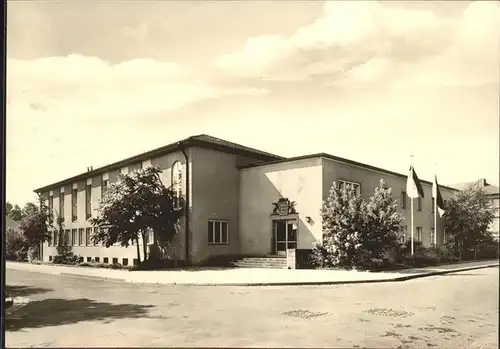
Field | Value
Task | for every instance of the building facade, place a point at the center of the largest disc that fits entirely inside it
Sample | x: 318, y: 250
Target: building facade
x: 238, y: 200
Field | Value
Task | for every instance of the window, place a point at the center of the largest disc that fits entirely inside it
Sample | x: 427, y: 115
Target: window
x: 50, y: 258
x: 96, y: 231
x: 88, y: 233
x: 66, y: 237
x: 343, y: 185
x: 431, y: 236
x: 136, y: 261
x: 49, y: 241
x: 74, y: 204
x: 340, y: 185
x: 89, y: 259
x: 61, y: 206
x: 432, y: 205
x: 80, y: 259
x: 97, y: 259
x: 125, y: 261
x: 218, y: 232
x: 55, y: 238
x: 88, y: 201
x: 403, y: 200
x: 81, y: 233
x: 419, y: 234
x: 51, y: 209
x: 115, y: 260
x: 419, y: 203
x: 104, y: 187
x: 177, y: 183
x: 74, y: 237
x: 105, y: 260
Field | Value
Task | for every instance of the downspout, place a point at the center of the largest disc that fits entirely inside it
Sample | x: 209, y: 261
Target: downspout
x: 186, y: 207
x: 40, y: 252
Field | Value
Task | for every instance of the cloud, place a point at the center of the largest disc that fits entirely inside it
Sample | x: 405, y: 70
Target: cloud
x: 361, y: 42
x: 66, y: 112
x: 89, y: 87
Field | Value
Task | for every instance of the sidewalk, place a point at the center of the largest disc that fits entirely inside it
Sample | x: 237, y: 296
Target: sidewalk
x: 248, y: 277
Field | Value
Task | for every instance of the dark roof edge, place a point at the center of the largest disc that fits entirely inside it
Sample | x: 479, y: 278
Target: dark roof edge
x: 187, y: 142
x: 339, y: 159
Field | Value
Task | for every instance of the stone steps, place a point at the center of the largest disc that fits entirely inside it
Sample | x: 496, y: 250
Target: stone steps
x: 261, y: 262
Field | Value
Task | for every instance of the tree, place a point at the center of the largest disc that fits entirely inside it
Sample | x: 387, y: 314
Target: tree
x: 383, y: 222
x: 8, y: 208
x: 15, y: 213
x: 342, y: 220
x: 355, y: 231
x: 136, y: 203
x: 16, y: 246
x: 467, y: 217
x: 29, y: 209
x: 35, y: 223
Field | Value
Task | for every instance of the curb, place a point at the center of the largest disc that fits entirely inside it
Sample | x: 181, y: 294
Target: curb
x: 443, y: 272
x: 92, y: 277
x: 324, y: 283
x: 285, y: 283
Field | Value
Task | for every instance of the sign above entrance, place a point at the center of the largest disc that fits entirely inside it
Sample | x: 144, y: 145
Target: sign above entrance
x: 284, y: 207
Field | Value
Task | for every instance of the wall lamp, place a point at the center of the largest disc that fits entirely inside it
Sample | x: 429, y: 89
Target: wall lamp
x: 308, y: 219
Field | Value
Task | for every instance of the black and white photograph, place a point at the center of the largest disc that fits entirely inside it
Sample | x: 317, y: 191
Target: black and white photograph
x: 266, y: 174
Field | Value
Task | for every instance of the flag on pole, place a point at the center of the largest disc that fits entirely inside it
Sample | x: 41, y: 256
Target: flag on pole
x: 436, y: 194
x: 413, y: 186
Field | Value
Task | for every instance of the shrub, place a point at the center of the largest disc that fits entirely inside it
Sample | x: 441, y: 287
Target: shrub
x: 94, y: 264
x: 488, y: 250
x: 67, y: 258
x: 154, y: 264
x: 447, y: 253
x: 372, y: 264
x: 16, y: 245
x: 425, y: 257
x: 318, y: 256
x: 422, y: 256
x: 117, y: 266
x: 358, y: 233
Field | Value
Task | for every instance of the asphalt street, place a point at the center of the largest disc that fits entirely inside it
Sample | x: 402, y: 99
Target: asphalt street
x: 457, y: 310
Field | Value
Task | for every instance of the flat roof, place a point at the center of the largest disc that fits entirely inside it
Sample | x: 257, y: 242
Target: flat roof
x: 347, y: 161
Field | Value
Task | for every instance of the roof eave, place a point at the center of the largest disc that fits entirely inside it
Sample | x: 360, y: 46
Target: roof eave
x: 336, y: 158
x: 188, y: 142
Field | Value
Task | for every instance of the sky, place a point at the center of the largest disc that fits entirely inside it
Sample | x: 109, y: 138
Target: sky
x: 93, y: 82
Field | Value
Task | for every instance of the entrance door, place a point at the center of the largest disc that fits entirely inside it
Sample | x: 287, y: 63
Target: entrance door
x: 285, y: 236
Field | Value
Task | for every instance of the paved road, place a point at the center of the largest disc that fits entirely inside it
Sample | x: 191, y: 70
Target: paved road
x: 457, y: 310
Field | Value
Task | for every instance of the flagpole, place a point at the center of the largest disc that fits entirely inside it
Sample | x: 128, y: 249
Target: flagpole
x: 435, y: 210
x: 411, y: 215
x: 411, y: 204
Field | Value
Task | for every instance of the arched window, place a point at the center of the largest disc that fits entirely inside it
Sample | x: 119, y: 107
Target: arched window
x: 176, y: 181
